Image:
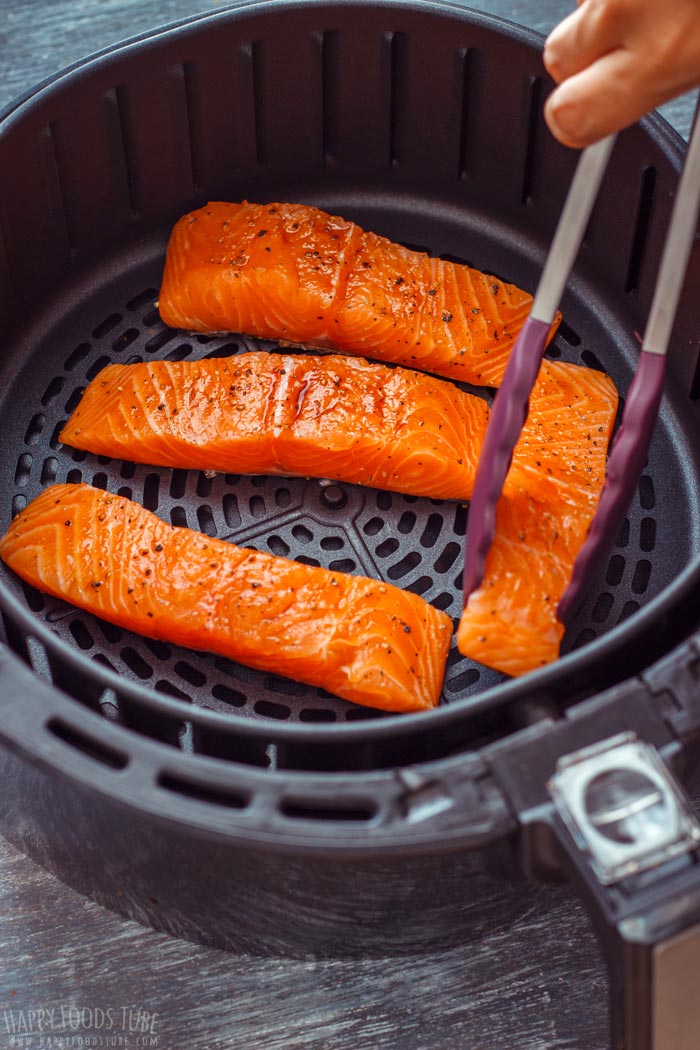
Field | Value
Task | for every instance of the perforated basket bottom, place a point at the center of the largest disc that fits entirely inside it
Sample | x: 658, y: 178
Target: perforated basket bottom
x: 414, y: 543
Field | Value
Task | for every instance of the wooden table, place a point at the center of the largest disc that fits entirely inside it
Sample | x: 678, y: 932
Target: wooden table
x: 538, y: 985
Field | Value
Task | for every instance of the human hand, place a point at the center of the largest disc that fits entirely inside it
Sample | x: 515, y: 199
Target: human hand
x: 617, y: 59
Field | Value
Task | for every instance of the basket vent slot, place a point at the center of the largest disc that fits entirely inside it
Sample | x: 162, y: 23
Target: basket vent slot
x: 161, y: 339
x: 54, y: 165
x: 151, y: 488
x: 616, y: 570
x: 647, y: 535
x: 419, y: 586
x: 171, y: 690
x: 628, y: 610
x: 465, y: 680
x: 145, y: 298
x: 228, y: 695
x: 642, y: 574
x: 217, y: 796
x: 178, y: 517
x: 464, y: 70
x: 641, y: 231
x: 125, y: 340
x: 186, y: 74
x: 81, y: 634
x: 431, y: 531
x: 49, y: 470
x: 94, y: 369
x: 269, y: 709
x: 317, y: 714
x: 253, y: 54
x: 53, y: 390
x: 531, y: 143
x: 328, y: 45
x: 602, y: 607
x: 647, y: 495
x: 623, y: 536
x: 35, y: 428
x: 591, y: 360
x: 357, y: 811
x: 87, y: 745
x: 460, y: 522
x: 106, y: 326
x: 404, y: 566
x: 19, y: 502
x: 204, y: 485
x: 227, y: 350
x: 395, y: 52
x: 135, y: 662
x: 23, y: 469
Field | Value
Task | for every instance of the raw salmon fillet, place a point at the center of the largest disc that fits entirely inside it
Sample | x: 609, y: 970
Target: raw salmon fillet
x: 258, y: 413
x: 542, y: 518
x: 365, y: 641
x: 294, y: 273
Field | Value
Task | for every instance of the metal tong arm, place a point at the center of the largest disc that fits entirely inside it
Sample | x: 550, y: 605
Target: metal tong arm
x: 571, y: 229
x: 631, y: 445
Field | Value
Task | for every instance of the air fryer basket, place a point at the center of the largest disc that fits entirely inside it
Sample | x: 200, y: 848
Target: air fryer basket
x: 422, y: 122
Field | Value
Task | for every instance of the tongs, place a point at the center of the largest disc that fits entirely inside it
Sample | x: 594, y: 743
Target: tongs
x: 630, y: 446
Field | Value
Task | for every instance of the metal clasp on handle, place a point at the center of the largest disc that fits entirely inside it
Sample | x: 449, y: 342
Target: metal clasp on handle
x: 623, y: 807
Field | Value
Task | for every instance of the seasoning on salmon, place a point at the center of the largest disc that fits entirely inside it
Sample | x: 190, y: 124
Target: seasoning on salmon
x: 325, y: 417
x: 363, y: 640
x: 258, y: 413
x: 297, y: 274
x: 549, y: 498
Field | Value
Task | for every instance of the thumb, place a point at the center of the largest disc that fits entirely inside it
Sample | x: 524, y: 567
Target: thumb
x: 610, y: 94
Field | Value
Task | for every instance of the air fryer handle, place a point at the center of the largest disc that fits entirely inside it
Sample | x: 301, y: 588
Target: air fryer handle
x: 652, y: 953
x: 599, y: 805
x: 654, y: 971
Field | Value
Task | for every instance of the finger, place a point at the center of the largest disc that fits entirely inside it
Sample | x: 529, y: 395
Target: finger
x: 582, y: 38
x: 610, y: 94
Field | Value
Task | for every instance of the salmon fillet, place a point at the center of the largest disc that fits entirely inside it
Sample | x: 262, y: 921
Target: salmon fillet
x: 365, y: 641
x: 542, y: 519
x: 258, y: 413
x: 294, y: 273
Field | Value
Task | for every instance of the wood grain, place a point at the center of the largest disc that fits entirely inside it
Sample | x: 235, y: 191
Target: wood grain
x: 538, y: 985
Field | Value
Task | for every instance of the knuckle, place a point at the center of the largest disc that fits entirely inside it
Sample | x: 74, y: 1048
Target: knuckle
x: 552, y: 58
x: 605, y: 15
x: 564, y: 117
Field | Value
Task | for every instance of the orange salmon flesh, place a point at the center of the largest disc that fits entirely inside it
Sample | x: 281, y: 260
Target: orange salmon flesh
x: 303, y: 277
x: 542, y: 518
x: 258, y: 413
x: 185, y: 415
x: 365, y: 641
x: 294, y: 273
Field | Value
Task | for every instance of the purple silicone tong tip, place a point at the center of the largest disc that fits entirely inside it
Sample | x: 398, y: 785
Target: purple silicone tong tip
x: 511, y: 404
x: 629, y: 450
x: 625, y: 464
x: 508, y: 415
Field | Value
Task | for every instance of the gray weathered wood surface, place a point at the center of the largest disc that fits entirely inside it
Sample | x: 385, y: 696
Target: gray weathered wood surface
x: 539, y: 985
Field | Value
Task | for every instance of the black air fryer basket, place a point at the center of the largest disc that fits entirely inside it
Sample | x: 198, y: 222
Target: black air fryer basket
x: 247, y: 811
